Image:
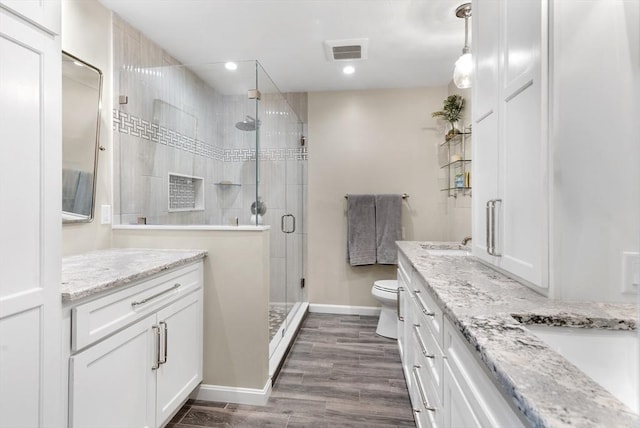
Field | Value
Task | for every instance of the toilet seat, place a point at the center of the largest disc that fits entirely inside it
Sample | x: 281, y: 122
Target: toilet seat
x: 387, y: 285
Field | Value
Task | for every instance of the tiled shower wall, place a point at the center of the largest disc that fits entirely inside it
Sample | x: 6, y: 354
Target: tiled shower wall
x: 199, y: 139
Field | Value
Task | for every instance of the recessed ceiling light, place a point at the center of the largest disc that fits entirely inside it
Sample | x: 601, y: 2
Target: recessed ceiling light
x: 231, y: 66
x: 349, y: 69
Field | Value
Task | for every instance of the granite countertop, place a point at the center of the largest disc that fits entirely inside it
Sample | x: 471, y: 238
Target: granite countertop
x: 90, y: 273
x: 490, y: 309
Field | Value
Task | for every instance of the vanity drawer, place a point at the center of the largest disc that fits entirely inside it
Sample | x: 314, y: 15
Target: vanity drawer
x: 97, y: 319
x: 432, y: 314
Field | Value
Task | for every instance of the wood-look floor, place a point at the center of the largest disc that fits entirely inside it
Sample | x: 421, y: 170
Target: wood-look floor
x: 339, y: 373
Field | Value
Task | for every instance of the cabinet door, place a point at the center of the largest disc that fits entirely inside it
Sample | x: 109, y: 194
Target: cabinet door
x: 180, y: 370
x: 30, y: 168
x: 486, y: 51
x: 523, y: 212
x: 485, y: 181
x: 45, y: 14
x: 112, y: 384
x: 458, y: 411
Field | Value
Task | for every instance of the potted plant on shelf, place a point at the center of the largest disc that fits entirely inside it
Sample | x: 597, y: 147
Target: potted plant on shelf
x: 452, y: 107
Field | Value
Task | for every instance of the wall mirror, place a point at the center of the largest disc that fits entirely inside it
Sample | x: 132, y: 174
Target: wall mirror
x: 81, y: 105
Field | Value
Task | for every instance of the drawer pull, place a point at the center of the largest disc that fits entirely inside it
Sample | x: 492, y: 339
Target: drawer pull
x: 423, y: 395
x: 156, y: 333
x: 165, y: 333
x: 422, y: 305
x: 400, y: 317
x: 423, y: 347
x: 150, y: 298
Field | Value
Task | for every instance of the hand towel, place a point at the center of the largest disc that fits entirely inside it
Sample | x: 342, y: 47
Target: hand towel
x: 361, y: 230
x: 388, y: 228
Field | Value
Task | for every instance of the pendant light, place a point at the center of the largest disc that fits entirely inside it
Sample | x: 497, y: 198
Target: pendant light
x: 463, y: 70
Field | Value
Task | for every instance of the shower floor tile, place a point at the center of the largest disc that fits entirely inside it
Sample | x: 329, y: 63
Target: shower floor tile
x: 277, y: 315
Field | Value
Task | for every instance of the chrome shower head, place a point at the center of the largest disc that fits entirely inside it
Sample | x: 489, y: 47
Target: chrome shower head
x: 248, y: 124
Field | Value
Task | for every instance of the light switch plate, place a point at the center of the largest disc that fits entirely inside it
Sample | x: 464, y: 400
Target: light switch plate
x: 630, y: 272
x: 105, y: 214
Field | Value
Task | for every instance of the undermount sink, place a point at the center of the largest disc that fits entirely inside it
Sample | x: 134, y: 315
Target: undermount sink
x: 441, y: 252
x: 610, y: 357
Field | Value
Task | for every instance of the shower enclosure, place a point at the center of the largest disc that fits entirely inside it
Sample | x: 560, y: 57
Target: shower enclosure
x: 220, y: 146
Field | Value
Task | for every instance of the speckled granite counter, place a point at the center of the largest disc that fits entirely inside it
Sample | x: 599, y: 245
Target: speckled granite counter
x: 487, y: 306
x: 97, y: 271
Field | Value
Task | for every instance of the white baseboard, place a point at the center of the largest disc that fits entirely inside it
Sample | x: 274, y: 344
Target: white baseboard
x: 344, y: 309
x: 227, y: 394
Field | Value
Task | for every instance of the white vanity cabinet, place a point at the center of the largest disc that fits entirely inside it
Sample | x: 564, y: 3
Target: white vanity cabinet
x: 137, y: 352
x: 510, y: 226
x: 448, y: 387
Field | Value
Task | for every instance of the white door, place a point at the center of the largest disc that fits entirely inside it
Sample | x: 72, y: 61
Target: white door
x: 485, y: 143
x: 180, y: 370
x: 523, y: 211
x: 30, y: 224
x: 113, y: 384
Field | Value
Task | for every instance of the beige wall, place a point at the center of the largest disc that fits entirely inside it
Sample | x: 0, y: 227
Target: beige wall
x: 458, y: 209
x: 236, y: 299
x: 375, y: 141
x: 86, y: 34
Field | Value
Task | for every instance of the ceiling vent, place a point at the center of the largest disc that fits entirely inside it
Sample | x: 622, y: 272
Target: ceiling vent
x: 346, y: 50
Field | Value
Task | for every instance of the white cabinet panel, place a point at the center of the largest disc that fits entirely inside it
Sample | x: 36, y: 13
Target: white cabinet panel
x: 22, y: 139
x: 485, y: 188
x: 459, y: 412
x: 523, y: 207
x: 20, y: 351
x: 44, y: 13
x: 522, y: 26
x: 486, y: 42
x: 181, y: 368
x: 112, y: 383
x: 30, y: 168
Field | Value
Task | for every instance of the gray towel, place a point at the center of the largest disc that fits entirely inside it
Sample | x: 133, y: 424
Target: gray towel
x: 388, y: 228
x: 361, y: 230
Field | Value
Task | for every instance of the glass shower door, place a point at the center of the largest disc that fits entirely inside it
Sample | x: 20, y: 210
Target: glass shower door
x: 295, y: 235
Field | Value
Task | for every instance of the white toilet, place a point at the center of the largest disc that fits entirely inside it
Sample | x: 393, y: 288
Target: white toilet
x: 386, y: 292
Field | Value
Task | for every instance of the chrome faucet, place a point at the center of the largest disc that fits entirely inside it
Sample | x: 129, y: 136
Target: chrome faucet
x: 465, y: 240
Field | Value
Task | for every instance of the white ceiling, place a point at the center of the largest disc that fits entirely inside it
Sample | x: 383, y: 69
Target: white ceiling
x: 411, y: 42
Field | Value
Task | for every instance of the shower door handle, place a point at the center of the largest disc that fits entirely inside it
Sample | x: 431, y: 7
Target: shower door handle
x: 282, y: 223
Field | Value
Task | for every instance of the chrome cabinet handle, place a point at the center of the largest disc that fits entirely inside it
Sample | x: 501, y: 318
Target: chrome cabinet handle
x: 488, y: 226
x: 156, y: 364
x: 148, y: 299
x: 165, y: 334
x: 400, y: 317
x: 423, y: 347
x: 423, y: 307
x: 491, y: 217
x: 423, y: 395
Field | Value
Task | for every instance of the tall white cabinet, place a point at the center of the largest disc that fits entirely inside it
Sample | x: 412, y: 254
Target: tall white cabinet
x: 30, y: 225
x: 510, y: 224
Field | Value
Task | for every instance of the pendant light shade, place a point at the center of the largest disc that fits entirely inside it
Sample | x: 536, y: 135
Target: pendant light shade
x: 463, y: 71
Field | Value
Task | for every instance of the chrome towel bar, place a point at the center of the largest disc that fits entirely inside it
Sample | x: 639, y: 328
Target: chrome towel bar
x: 404, y: 196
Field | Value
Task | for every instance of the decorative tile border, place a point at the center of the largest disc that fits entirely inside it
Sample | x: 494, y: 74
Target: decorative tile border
x: 126, y: 123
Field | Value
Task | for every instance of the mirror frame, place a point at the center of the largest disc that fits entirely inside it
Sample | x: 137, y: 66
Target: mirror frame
x: 98, y: 147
